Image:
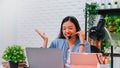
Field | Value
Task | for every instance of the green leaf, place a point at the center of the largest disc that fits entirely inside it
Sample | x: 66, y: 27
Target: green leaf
x: 14, y: 53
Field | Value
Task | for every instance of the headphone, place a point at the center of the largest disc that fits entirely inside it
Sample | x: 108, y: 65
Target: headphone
x: 97, y: 32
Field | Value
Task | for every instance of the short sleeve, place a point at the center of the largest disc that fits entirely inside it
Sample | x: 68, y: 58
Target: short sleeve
x: 87, y: 47
x: 52, y: 45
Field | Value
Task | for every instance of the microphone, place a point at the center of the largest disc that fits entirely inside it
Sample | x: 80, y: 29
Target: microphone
x: 69, y: 37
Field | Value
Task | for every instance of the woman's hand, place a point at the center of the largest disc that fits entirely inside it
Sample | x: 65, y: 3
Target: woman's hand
x: 44, y: 37
x: 81, y: 35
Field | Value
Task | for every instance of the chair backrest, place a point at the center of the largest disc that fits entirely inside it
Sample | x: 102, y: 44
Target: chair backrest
x: 95, y: 49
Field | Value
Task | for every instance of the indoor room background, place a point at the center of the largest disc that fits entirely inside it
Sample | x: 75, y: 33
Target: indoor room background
x: 19, y: 18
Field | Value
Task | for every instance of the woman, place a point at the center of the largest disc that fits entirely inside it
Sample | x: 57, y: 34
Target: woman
x: 70, y: 39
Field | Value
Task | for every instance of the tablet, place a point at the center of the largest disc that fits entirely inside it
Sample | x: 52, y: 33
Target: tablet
x: 85, y: 60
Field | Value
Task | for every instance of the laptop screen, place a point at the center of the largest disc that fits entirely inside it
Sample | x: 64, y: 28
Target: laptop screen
x: 44, y: 58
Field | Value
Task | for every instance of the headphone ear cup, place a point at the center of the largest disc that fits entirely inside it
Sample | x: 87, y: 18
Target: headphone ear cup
x: 92, y: 32
x: 101, y: 34
x: 100, y: 24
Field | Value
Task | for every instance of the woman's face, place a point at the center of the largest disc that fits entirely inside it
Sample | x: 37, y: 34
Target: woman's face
x: 68, y: 29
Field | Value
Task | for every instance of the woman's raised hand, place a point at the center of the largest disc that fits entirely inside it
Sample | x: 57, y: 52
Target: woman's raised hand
x: 44, y: 37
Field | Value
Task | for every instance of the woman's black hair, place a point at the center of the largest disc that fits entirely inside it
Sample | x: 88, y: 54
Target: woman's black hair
x: 74, y: 21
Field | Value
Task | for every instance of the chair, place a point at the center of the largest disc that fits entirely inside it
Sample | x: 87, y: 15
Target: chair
x: 95, y: 49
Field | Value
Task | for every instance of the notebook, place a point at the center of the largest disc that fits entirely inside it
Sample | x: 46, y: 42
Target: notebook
x: 85, y: 60
x: 44, y: 58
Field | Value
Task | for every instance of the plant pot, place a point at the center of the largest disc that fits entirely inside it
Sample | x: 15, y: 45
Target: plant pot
x: 109, y: 6
x: 115, y: 6
x: 111, y: 29
x: 13, y: 64
x: 102, y: 7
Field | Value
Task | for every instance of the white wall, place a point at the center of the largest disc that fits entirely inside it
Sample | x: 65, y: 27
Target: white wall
x: 7, y: 23
x: 19, y: 18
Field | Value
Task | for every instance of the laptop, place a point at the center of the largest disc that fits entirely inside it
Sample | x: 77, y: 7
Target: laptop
x: 85, y: 60
x: 44, y: 58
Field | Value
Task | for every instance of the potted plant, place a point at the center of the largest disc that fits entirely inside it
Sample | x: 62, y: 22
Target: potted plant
x: 92, y: 11
x: 109, y: 23
x: 109, y: 5
x: 113, y: 24
x: 115, y: 4
x: 102, y: 5
x: 117, y: 24
x: 14, y: 54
